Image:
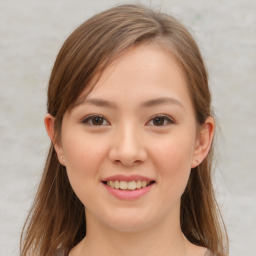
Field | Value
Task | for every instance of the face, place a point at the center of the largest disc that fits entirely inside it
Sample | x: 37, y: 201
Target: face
x: 129, y: 145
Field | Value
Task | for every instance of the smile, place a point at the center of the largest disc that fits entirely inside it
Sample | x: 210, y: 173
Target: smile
x: 128, y: 185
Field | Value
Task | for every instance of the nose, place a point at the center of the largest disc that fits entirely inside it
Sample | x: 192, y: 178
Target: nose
x: 127, y: 147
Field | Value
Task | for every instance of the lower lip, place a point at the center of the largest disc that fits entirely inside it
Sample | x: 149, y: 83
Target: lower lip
x: 128, y: 194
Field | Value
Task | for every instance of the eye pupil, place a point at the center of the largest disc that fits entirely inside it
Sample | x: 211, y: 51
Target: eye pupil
x: 97, y: 120
x: 158, y: 121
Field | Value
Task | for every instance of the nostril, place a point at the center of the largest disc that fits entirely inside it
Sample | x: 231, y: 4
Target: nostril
x: 127, y: 162
x: 127, y: 153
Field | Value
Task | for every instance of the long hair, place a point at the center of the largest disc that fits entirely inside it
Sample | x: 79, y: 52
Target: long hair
x: 57, y: 218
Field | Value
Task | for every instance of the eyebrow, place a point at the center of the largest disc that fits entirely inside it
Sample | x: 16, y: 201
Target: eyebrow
x: 148, y: 103
x: 99, y: 103
x: 160, y: 101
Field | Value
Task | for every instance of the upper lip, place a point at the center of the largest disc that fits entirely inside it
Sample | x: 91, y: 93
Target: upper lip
x: 127, y: 178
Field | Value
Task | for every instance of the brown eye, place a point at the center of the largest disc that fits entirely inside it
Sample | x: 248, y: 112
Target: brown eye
x: 95, y: 120
x: 160, y: 121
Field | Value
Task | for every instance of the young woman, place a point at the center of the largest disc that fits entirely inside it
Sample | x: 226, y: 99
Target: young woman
x: 131, y: 125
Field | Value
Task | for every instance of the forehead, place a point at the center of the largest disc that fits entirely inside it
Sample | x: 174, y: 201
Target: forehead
x: 141, y: 73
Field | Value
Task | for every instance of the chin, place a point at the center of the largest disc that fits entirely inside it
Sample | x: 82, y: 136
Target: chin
x: 129, y: 223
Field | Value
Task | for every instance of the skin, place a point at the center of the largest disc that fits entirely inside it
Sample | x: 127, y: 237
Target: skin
x: 127, y: 142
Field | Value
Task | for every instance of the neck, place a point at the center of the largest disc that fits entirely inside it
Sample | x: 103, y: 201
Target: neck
x: 162, y: 239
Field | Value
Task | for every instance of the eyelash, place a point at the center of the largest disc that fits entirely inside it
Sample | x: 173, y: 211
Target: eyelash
x: 89, y: 120
x: 167, y: 120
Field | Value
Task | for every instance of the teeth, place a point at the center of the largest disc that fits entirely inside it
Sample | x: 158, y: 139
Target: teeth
x: 116, y: 184
x: 143, y: 184
x: 131, y: 185
x: 123, y: 185
x: 138, y: 185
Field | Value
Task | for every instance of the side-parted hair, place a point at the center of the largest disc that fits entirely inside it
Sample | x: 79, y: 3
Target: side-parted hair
x: 57, y: 217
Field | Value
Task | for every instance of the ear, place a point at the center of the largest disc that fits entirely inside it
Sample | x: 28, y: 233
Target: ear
x: 49, y: 126
x: 203, y: 141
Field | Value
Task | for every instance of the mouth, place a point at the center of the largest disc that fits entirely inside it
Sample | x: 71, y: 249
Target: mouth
x: 128, y: 185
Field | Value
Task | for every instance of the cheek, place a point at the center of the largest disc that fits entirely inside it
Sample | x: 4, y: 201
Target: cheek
x: 174, y: 151
x: 173, y: 158
x: 84, y: 157
x: 83, y: 153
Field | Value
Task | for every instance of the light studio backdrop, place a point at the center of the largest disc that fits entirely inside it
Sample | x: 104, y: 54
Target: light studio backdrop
x: 31, y: 33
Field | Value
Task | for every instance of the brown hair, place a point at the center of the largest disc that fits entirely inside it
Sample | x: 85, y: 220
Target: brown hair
x: 56, y: 218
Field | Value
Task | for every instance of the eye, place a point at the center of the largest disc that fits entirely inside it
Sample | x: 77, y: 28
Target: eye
x: 160, y: 120
x: 95, y: 120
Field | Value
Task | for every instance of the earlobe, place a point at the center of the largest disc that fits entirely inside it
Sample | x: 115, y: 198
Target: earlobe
x: 49, y: 126
x: 204, y: 141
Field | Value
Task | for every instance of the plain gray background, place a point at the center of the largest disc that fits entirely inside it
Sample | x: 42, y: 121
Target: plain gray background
x: 31, y: 33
